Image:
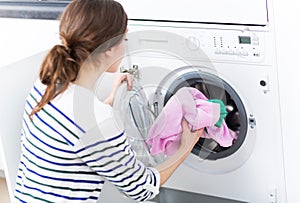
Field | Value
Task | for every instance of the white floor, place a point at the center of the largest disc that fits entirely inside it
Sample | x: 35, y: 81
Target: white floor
x: 3, y: 191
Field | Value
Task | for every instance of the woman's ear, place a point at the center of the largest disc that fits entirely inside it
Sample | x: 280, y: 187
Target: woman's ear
x: 109, y: 52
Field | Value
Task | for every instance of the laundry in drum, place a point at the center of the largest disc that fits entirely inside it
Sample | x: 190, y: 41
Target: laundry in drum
x: 223, y: 112
x: 192, y: 105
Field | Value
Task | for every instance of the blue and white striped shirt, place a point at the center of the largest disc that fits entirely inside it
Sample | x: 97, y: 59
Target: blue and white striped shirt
x: 72, y: 146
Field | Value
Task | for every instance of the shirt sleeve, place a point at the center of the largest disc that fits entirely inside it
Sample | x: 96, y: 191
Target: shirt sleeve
x: 105, y: 149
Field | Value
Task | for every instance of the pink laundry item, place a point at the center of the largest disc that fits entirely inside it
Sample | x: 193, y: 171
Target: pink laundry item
x: 188, y: 103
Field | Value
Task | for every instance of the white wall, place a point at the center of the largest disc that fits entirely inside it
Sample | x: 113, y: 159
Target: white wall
x: 21, y: 38
x: 287, y: 28
x: 23, y: 45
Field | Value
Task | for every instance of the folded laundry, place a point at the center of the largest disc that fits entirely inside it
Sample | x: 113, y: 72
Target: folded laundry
x: 192, y: 105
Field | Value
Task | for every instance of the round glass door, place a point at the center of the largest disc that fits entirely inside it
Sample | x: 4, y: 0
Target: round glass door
x: 212, y: 87
x: 131, y: 110
x: 138, y: 110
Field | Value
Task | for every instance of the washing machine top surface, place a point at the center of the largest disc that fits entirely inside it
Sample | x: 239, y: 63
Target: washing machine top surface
x: 200, y: 11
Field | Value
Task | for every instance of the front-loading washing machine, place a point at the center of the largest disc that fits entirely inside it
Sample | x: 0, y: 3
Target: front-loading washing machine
x: 231, y: 63
x: 226, y: 58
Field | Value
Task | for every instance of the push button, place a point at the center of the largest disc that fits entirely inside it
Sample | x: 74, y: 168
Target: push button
x: 230, y: 52
x: 255, y: 40
x: 224, y: 52
x: 217, y: 51
x: 238, y: 53
x: 244, y: 53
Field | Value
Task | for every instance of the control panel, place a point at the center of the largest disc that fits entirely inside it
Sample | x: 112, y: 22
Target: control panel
x: 241, y: 45
x: 206, y: 44
x: 228, y: 45
x: 240, y: 49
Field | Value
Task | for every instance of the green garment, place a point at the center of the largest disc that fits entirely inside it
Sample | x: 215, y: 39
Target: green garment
x: 223, y: 112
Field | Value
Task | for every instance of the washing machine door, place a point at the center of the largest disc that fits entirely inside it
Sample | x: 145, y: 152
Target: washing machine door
x: 132, y: 111
x: 137, y: 111
x: 207, y: 154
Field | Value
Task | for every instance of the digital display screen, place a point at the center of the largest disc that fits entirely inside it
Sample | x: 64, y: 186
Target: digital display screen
x: 244, y: 40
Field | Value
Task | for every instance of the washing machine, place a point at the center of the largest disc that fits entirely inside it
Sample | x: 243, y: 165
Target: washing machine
x: 227, y: 58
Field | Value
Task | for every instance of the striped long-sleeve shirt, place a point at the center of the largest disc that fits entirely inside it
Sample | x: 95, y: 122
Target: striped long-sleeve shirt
x: 72, y: 146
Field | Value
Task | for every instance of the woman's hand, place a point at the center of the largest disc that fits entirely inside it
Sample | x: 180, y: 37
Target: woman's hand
x: 119, y: 78
x: 188, y: 138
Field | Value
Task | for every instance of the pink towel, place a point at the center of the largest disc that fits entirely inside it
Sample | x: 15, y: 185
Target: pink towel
x: 189, y: 103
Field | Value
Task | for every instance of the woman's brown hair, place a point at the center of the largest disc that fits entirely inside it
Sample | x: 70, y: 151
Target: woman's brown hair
x: 85, y: 26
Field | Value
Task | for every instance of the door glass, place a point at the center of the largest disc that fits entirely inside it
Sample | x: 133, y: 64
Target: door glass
x: 137, y: 118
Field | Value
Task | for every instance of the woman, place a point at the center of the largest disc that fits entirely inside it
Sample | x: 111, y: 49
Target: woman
x: 71, y: 142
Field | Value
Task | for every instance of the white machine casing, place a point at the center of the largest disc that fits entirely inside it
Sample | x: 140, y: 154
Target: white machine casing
x: 240, y: 52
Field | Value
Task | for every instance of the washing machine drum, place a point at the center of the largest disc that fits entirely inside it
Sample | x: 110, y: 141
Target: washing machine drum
x: 213, y: 87
x: 138, y: 112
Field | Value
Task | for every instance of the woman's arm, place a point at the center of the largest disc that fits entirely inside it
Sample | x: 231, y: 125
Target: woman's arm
x: 188, y: 140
